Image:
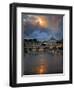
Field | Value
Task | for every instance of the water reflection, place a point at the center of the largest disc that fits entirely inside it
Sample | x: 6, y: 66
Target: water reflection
x: 43, y: 63
x: 42, y: 67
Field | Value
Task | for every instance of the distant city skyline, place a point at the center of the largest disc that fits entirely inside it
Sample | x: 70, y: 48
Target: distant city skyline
x: 42, y: 27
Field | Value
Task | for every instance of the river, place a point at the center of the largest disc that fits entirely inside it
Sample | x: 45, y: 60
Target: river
x: 42, y: 63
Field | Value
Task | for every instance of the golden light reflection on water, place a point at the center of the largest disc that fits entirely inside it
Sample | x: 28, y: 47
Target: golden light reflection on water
x: 42, y: 68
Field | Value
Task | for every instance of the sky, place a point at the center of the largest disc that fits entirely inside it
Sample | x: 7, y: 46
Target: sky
x: 42, y: 27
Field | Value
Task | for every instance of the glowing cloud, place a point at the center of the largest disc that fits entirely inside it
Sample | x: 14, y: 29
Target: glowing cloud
x: 43, y: 22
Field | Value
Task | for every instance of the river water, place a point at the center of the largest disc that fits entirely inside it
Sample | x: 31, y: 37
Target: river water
x: 43, y: 63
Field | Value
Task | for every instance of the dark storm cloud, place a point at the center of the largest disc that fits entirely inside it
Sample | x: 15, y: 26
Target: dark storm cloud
x: 33, y: 30
x: 41, y: 35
